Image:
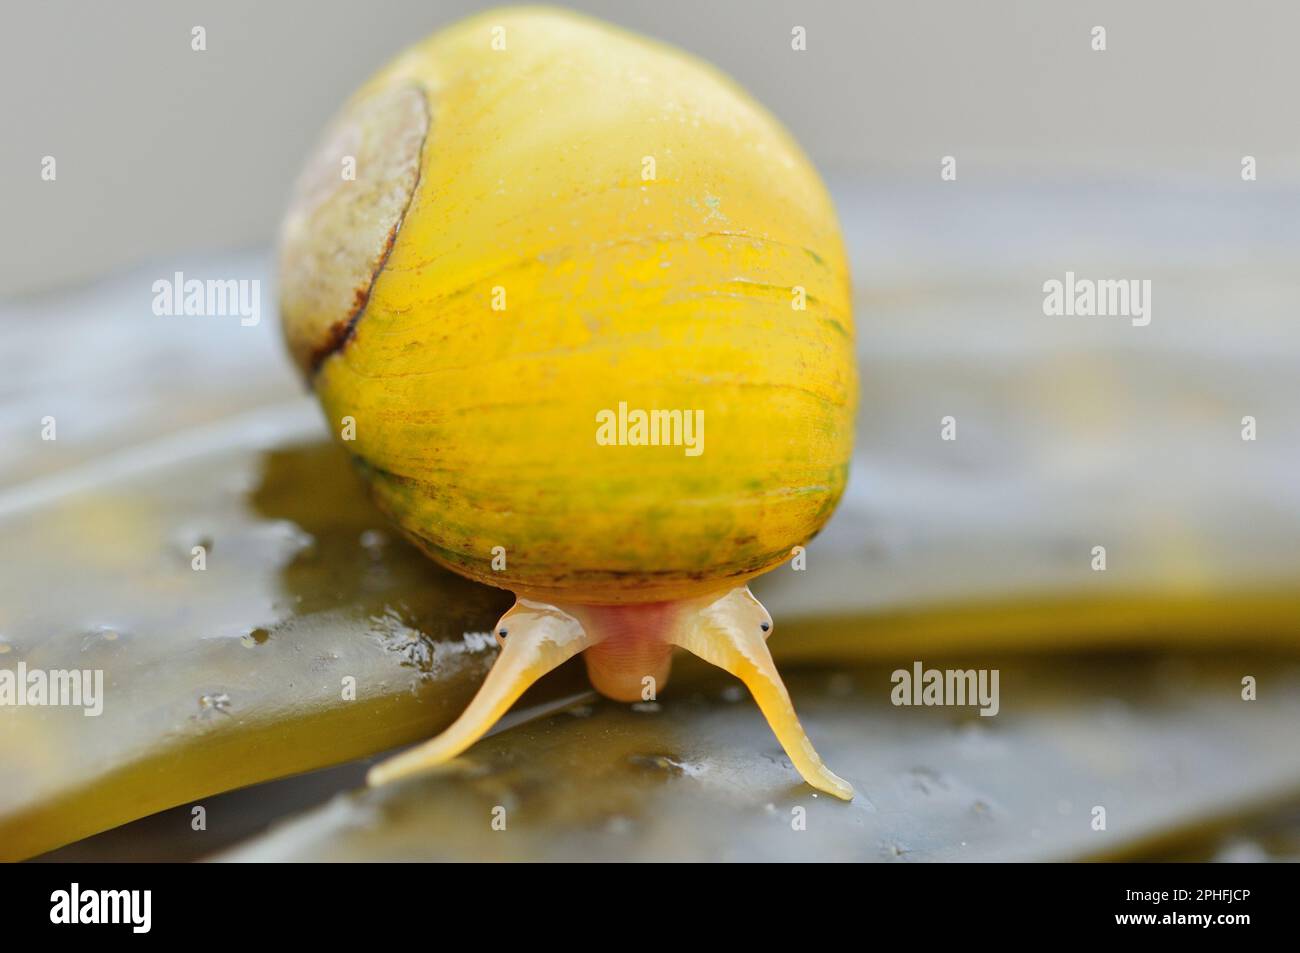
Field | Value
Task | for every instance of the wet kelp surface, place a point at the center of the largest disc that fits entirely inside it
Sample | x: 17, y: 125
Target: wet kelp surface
x: 699, y: 777
x: 219, y: 677
x: 313, y: 635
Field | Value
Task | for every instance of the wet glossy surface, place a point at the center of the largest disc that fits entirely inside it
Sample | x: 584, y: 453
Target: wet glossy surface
x: 221, y: 677
x: 702, y: 778
x: 979, y: 549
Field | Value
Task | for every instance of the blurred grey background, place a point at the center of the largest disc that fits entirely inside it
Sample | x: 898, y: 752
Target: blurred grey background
x: 163, y: 151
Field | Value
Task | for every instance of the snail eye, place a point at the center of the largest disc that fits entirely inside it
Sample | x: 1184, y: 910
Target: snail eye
x: 765, y: 626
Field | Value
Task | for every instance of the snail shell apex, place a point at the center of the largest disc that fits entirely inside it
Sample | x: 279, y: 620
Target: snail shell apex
x: 517, y: 176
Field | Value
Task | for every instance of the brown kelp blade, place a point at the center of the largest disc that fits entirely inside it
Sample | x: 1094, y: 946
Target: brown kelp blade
x: 1068, y: 437
x: 1159, y: 743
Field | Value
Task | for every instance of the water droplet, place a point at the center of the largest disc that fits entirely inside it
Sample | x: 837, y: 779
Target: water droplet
x: 217, y: 701
x: 255, y: 637
x: 288, y: 540
x: 655, y: 762
x: 733, y: 694
x: 373, y: 541
x: 665, y: 764
x: 927, y: 780
x: 101, y: 636
x: 414, y: 648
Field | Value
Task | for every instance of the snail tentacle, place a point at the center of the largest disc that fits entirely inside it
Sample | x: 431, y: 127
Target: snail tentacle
x: 535, y: 638
x: 731, y: 633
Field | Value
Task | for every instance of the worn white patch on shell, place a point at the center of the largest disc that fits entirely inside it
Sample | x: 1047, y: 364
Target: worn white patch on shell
x: 338, y: 230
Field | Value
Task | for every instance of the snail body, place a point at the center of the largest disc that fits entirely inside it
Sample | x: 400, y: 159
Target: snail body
x: 587, y: 309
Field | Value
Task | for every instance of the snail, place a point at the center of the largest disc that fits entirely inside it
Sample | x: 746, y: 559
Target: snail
x: 579, y: 309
